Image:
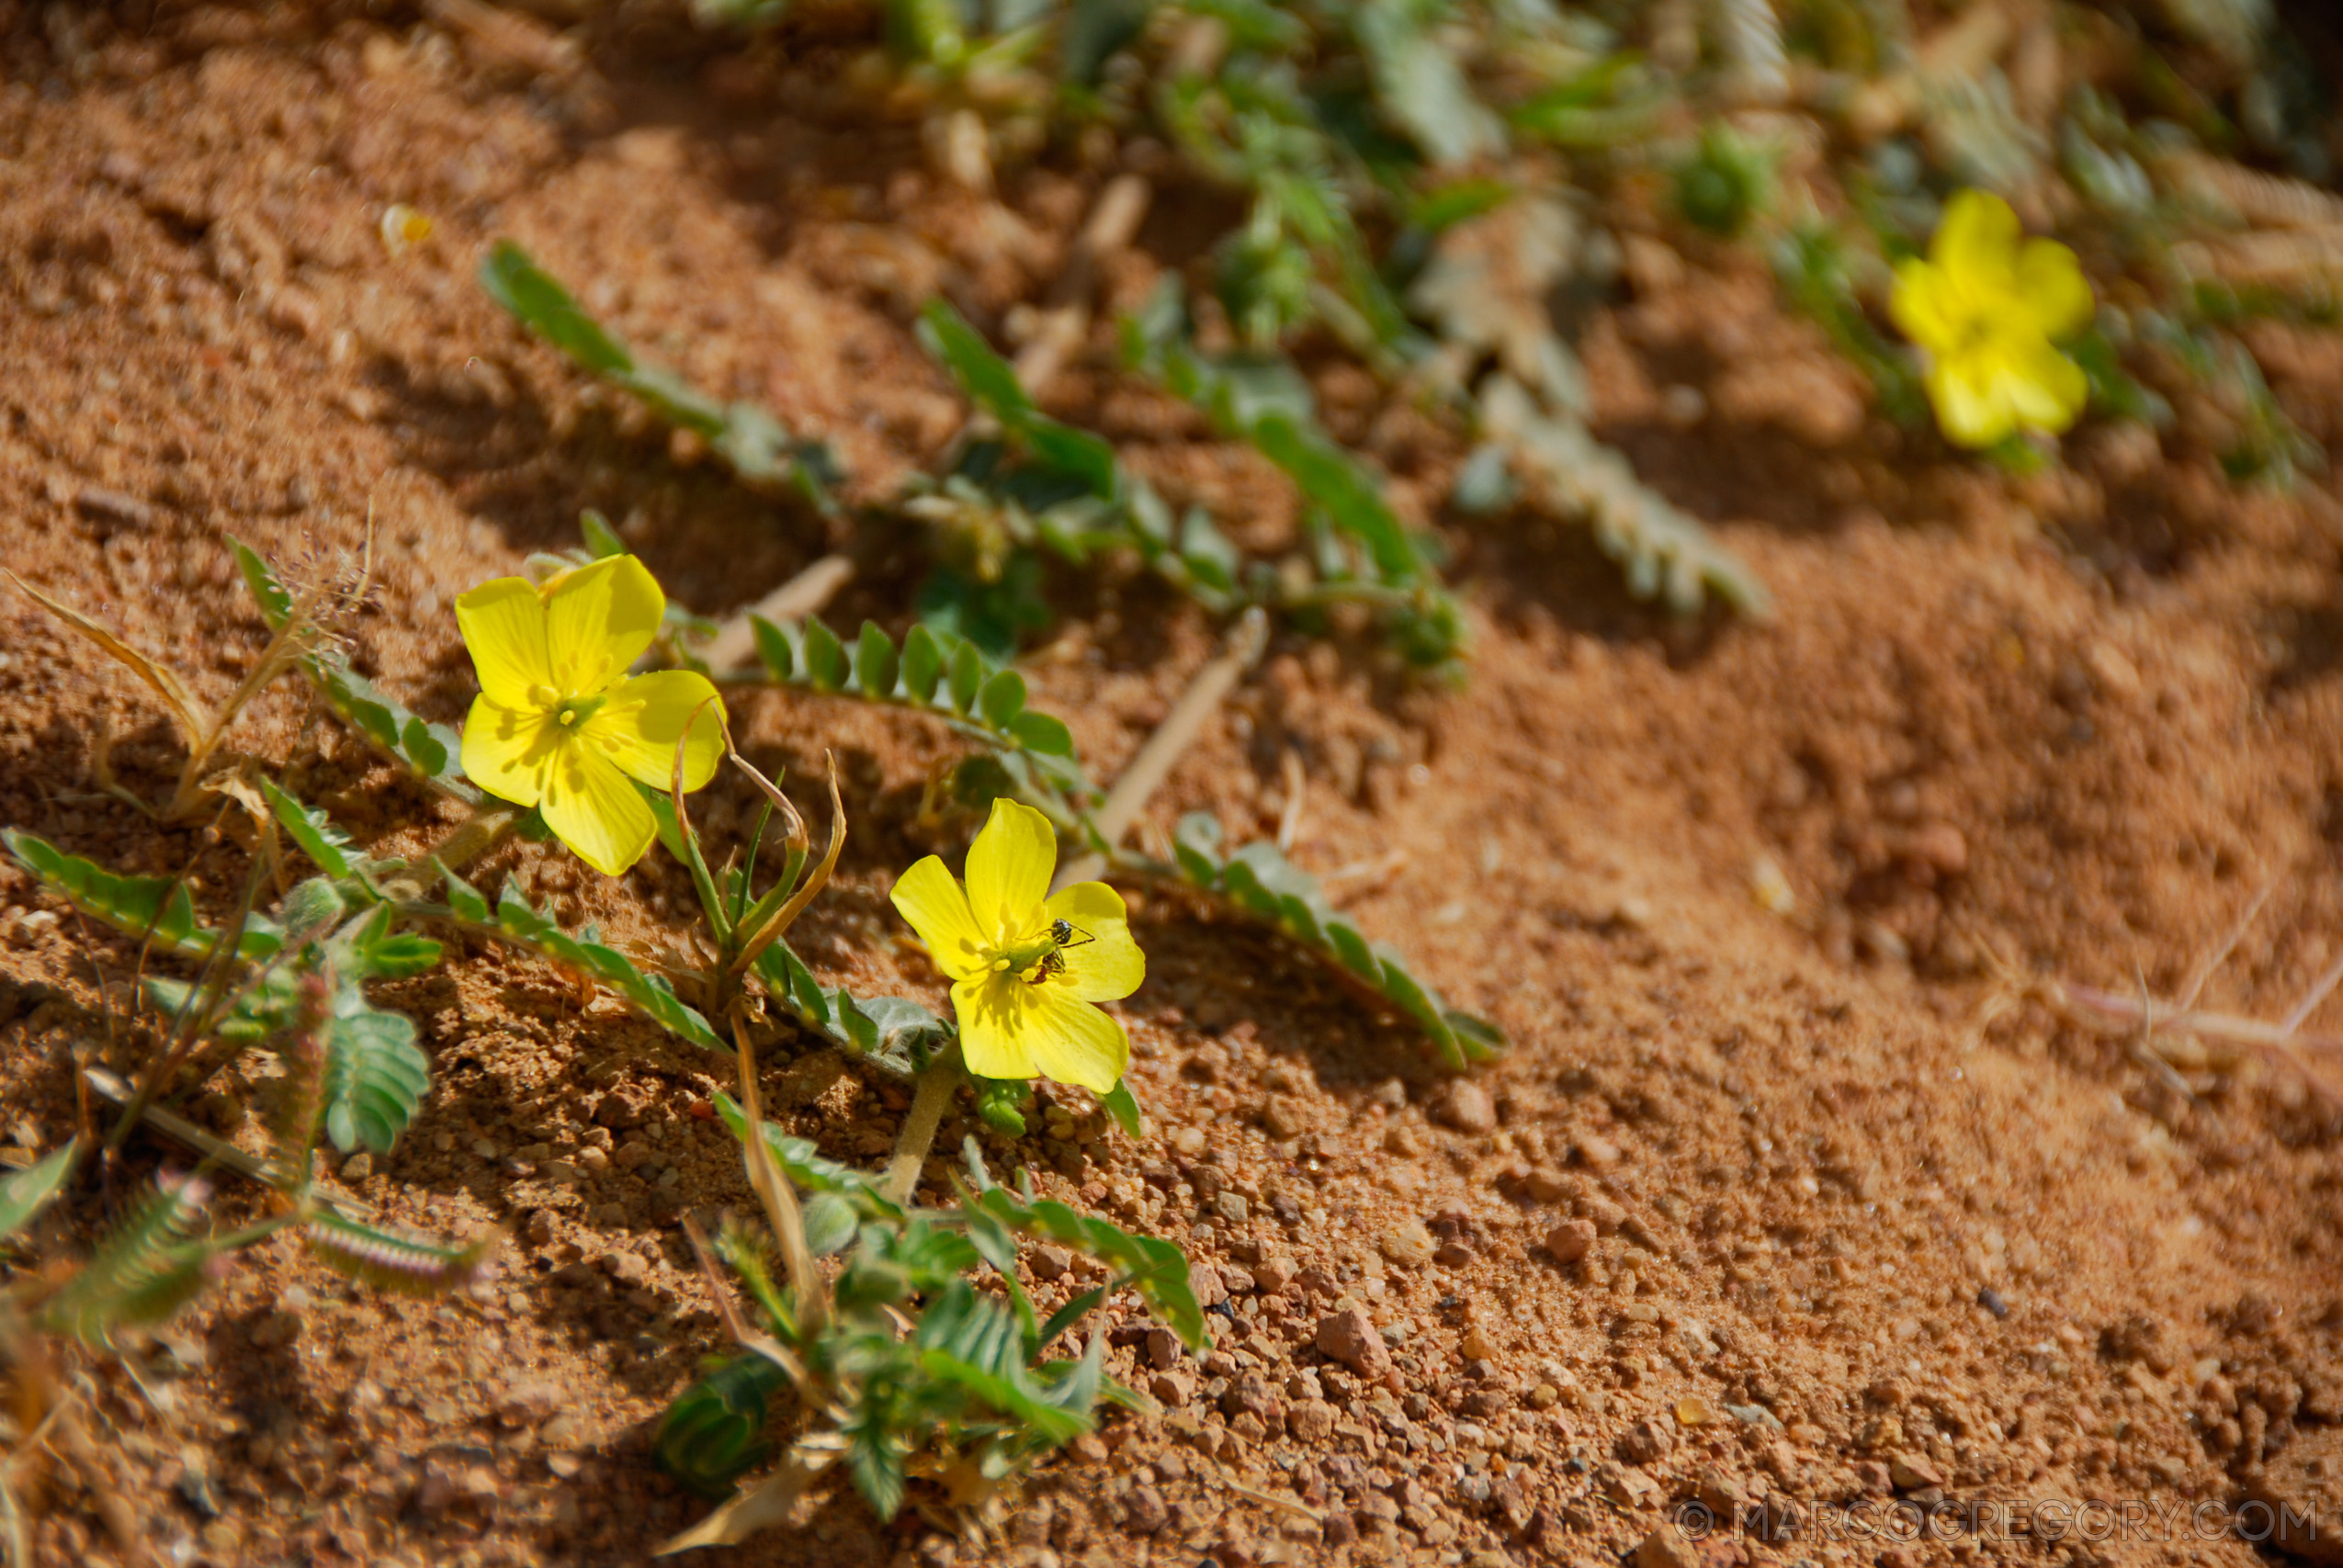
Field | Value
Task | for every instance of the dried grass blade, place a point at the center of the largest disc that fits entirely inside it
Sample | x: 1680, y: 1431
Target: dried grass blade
x: 193, y: 719
x: 814, y: 883
x: 771, y: 1504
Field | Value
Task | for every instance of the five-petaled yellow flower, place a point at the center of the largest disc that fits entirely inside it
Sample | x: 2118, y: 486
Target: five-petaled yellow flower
x: 1987, y: 309
x: 558, y: 723
x: 1024, y: 966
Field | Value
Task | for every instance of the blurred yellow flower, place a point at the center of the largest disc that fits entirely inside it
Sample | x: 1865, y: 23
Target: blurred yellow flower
x: 1987, y: 309
x: 558, y: 723
x: 1027, y: 966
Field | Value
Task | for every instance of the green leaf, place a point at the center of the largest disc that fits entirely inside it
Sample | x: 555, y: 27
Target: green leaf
x: 314, y: 831
x: 140, y: 906
x: 372, y: 951
x: 538, y: 303
x: 760, y: 449
x: 830, y: 1224
x: 602, y: 540
x: 1005, y: 1395
x: 29, y: 1190
x: 1002, y: 699
x: 983, y: 375
x: 874, y: 1459
x: 1002, y: 1104
x: 826, y: 664
x: 465, y: 899
x: 968, y: 678
x: 773, y: 648
x: 429, y: 748
x: 1123, y: 1107
x: 1156, y: 1269
x: 714, y: 1432
x: 422, y: 746
x: 875, y: 664
x: 992, y: 382
x: 1039, y: 732
x: 276, y: 601
x: 923, y: 663
x: 1420, y: 83
x: 375, y: 1074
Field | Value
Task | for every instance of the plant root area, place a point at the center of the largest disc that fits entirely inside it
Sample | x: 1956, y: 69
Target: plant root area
x: 1796, y: 1193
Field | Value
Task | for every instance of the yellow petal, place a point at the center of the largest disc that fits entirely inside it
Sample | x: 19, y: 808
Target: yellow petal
x: 996, y: 1013
x: 1977, y: 241
x: 1969, y: 409
x: 1009, y: 866
x: 2043, y: 389
x: 599, y: 619
x: 1075, y: 1043
x: 596, y: 810
x: 1922, y: 306
x: 928, y: 898
x: 2050, y: 281
x: 1109, y: 966
x: 637, y: 726
x: 507, y: 751
x: 504, y: 627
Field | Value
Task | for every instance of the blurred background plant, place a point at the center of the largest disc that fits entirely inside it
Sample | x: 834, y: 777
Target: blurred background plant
x: 1437, y: 189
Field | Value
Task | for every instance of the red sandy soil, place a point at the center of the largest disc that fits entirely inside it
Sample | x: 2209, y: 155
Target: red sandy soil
x: 2000, y: 732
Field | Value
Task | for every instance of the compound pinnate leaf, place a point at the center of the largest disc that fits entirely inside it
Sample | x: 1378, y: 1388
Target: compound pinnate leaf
x: 714, y: 1432
x: 517, y: 921
x: 375, y: 1074
x: 1262, y: 882
x: 141, y: 1273
x: 1156, y: 1269
x: 148, y: 907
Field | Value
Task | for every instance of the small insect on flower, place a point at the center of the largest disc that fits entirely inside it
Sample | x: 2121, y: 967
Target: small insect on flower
x: 1028, y: 966
x: 1988, y: 310
x: 558, y: 723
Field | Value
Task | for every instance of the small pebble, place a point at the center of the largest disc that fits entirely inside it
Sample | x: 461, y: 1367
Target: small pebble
x: 1465, y: 1106
x: 1570, y: 1240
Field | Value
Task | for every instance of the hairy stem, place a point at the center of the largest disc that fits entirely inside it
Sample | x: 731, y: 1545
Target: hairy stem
x: 929, y: 1102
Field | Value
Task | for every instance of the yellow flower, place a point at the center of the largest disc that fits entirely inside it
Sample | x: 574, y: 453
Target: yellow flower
x: 558, y: 723
x: 1025, y: 966
x: 1987, y: 308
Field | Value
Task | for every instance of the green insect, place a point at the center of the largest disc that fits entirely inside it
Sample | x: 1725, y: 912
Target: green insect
x: 1062, y: 935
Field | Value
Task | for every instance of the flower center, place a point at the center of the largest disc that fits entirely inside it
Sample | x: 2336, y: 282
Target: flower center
x: 1017, y: 958
x: 571, y: 711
